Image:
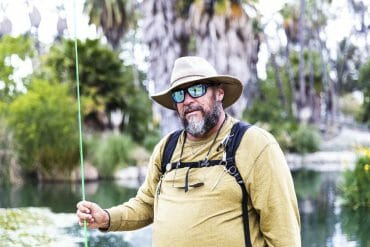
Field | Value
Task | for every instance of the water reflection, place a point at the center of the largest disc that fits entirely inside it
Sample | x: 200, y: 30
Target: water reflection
x: 324, y: 221
x: 62, y: 197
x: 356, y: 225
x: 316, y: 206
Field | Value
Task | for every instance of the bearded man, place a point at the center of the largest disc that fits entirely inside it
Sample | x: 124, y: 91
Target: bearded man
x: 216, y: 182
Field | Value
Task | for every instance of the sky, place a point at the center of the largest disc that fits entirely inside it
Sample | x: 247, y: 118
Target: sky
x: 17, y: 11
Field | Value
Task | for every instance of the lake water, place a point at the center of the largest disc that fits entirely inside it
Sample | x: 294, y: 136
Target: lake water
x: 324, y: 221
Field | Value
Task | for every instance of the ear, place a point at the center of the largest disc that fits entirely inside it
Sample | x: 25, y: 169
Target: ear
x: 220, y: 93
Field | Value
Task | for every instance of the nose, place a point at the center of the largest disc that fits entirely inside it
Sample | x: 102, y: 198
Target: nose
x: 188, y: 99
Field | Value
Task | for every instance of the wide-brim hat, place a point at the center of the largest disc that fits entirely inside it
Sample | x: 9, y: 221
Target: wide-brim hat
x: 191, y: 70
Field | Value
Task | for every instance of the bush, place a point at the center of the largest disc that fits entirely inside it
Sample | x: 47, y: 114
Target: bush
x: 364, y: 82
x: 305, y: 140
x: 151, y: 139
x: 356, y: 183
x: 45, y: 128
x: 351, y: 106
x: 109, y: 152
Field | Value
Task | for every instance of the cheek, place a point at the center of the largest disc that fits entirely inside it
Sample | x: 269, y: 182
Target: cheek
x: 180, y: 110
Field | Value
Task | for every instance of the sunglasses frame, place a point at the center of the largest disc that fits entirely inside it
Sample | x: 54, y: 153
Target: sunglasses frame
x: 186, y: 90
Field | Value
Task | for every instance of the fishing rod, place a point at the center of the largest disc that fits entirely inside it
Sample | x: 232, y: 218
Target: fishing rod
x: 80, y: 121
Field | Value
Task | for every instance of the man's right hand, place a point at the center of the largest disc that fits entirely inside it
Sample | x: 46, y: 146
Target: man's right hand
x: 95, y: 216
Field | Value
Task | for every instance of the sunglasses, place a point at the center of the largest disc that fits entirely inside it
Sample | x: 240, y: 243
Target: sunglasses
x: 195, y: 91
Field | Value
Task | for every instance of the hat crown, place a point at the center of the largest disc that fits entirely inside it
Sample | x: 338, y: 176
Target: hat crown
x: 191, y: 67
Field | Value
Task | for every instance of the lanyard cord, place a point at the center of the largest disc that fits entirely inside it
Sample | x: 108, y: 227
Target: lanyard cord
x: 80, y: 124
x: 205, y: 161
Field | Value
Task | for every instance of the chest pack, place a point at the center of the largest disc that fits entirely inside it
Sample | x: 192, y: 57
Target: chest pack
x: 230, y: 144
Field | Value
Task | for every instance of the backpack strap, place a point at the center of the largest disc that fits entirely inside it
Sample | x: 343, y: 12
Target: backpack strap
x: 169, y: 148
x: 231, y: 146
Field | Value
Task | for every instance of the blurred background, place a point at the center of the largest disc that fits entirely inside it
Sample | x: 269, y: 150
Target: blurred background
x: 305, y: 67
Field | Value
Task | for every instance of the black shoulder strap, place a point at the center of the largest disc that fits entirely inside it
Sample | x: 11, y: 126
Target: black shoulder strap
x: 236, y: 134
x: 169, y: 148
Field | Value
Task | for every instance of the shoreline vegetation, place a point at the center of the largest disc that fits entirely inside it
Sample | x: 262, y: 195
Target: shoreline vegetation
x: 337, y: 153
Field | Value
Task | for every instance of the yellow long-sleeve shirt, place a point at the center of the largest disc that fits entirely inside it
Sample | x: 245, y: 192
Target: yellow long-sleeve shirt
x: 211, y: 215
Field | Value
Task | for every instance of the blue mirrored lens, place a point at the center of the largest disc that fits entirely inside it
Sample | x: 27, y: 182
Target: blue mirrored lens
x: 194, y: 91
x: 178, y: 96
x: 197, y: 90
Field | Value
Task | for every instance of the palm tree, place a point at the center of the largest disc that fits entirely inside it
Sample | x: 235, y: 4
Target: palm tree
x: 227, y: 37
x: 360, y: 10
x: 5, y: 26
x: 290, y: 15
x: 219, y: 31
x: 5, y: 23
x: 62, y: 22
x: 301, y: 40
x: 112, y: 16
x: 167, y: 36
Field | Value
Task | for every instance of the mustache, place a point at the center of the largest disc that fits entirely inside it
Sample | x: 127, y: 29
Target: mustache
x: 189, y: 109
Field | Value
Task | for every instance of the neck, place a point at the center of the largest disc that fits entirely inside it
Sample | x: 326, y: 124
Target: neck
x: 211, y: 131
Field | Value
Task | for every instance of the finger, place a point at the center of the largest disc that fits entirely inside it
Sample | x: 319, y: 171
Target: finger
x: 90, y: 225
x: 84, y: 209
x: 85, y: 206
x: 84, y: 216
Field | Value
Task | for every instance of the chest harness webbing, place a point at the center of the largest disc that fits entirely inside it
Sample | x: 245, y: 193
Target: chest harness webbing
x: 230, y: 144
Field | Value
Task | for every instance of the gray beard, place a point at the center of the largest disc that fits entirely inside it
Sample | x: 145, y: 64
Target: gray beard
x: 201, y: 127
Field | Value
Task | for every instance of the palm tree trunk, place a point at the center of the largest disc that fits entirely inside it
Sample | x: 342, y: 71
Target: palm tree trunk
x: 164, y: 34
x: 301, y: 32
x: 229, y: 43
x: 279, y: 84
x: 295, y: 97
x: 315, y: 110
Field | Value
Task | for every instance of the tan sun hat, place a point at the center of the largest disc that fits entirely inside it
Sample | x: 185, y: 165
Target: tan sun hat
x: 190, y: 70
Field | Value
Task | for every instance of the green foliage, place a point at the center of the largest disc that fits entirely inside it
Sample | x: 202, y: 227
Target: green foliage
x: 12, y: 48
x: 364, y: 81
x: 347, y: 66
x: 113, y: 16
x: 15, y: 225
x: 109, y: 152
x: 182, y: 8
x: 356, y: 224
x: 151, y: 139
x: 316, y: 64
x: 350, y: 106
x: 6, y: 153
x: 356, y: 183
x: 45, y: 128
x: 267, y: 108
x: 268, y: 112
x: 305, y: 140
x: 106, y: 84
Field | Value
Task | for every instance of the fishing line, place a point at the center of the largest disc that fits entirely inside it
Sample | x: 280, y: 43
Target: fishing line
x: 80, y: 122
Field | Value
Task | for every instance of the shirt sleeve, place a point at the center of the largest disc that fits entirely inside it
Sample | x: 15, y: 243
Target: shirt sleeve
x: 138, y: 211
x: 274, y: 199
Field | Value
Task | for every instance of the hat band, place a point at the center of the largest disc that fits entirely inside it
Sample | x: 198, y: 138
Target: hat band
x: 172, y: 83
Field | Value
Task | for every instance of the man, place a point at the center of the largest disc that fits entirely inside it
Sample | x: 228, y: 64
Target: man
x: 206, y: 195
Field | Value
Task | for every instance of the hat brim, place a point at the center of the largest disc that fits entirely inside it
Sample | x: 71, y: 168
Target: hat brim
x: 233, y: 88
